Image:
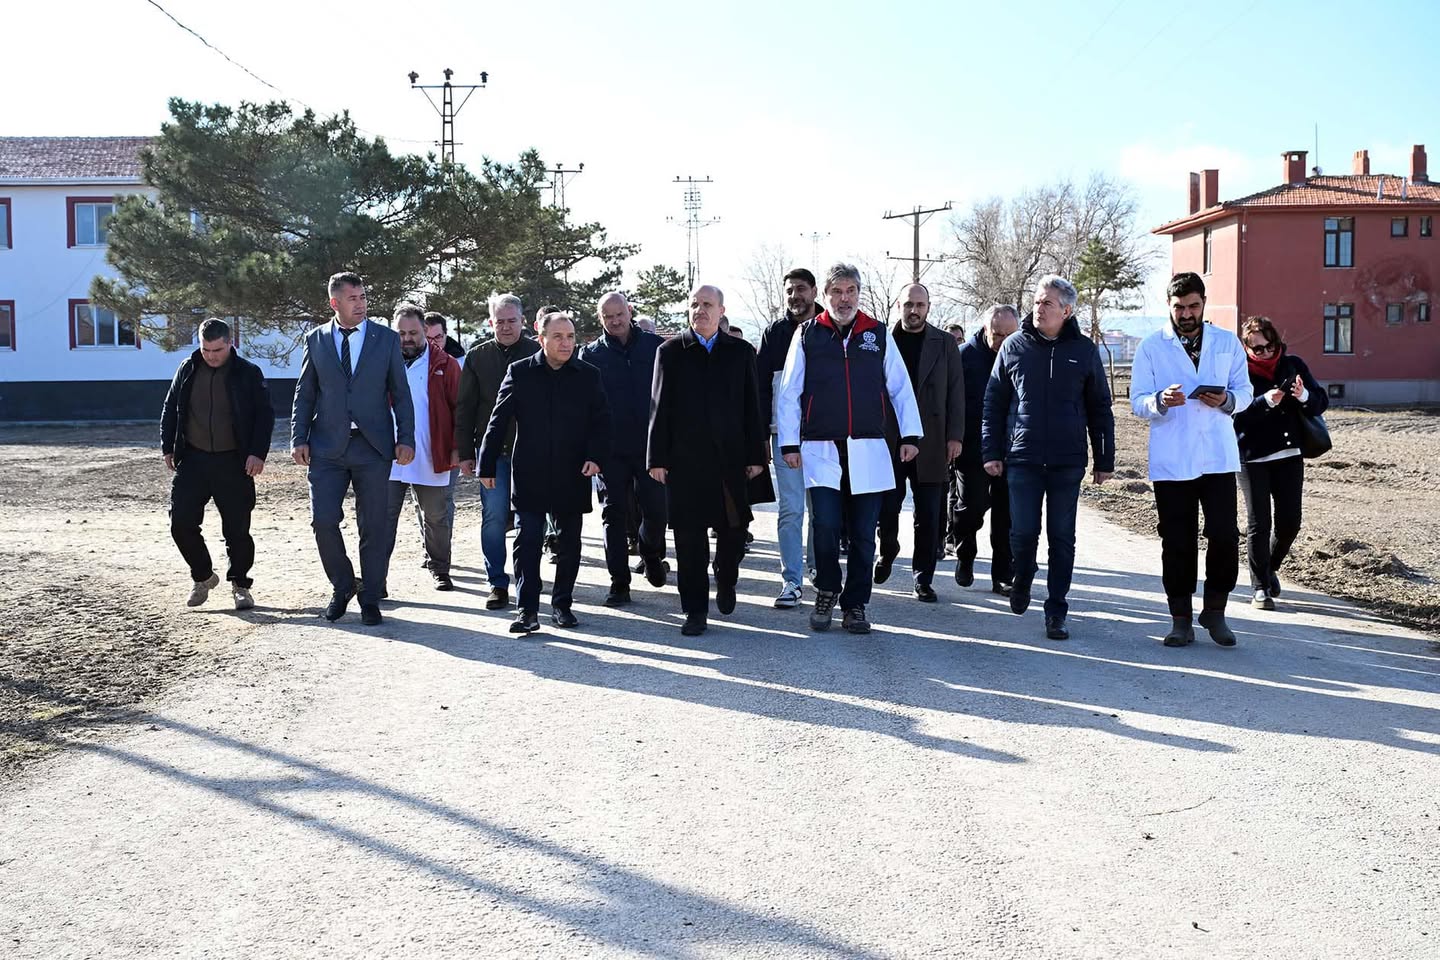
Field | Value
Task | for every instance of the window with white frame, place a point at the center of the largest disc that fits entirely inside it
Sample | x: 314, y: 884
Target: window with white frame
x: 6, y: 241
x: 88, y: 216
x: 92, y: 326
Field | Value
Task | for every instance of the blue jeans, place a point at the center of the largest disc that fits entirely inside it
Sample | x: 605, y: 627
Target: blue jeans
x: 830, y: 508
x: 495, y: 517
x: 790, y: 497
x: 1059, y: 488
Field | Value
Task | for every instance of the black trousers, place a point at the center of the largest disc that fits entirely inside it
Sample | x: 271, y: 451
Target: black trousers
x: 623, y: 484
x: 979, y: 492
x: 692, y: 560
x: 1179, y: 503
x: 1269, y: 536
x: 929, y: 498
x: 199, y: 478
x: 529, y: 541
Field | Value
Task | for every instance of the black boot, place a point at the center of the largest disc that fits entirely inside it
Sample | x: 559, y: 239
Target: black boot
x: 1212, y: 618
x: 1181, y: 633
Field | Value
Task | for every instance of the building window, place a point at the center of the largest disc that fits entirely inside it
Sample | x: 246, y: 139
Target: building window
x: 1339, y: 241
x: 1394, y: 313
x: 1208, y: 248
x: 7, y: 324
x: 1422, y: 313
x: 87, y: 220
x: 1399, y: 226
x: 92, y: 326
x: 1424, y: 226
x: 1339, y: 325
x: 6, y: 241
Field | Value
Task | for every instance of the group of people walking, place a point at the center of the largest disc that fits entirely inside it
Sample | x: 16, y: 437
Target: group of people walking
x: 834, y: 416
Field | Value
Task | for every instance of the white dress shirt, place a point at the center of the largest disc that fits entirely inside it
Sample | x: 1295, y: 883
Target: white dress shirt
x: 357, y: 342
x: 870, y: 469
x: 420, y: 470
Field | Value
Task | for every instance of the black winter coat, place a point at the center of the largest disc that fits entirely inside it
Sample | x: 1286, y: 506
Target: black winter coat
x: 561, y: 420
x: 480, y: 377
x: 706, y: 428
x: 1262, y: 429
x: 627, y: 370
x: 977, y: 360
x: 1042, y: 398
x: 249, y: 406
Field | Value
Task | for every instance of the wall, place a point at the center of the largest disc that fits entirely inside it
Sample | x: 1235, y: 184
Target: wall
x: 1187, y: 252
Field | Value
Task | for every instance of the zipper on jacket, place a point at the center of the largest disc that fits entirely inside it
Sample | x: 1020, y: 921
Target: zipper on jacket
x: 849, y: 402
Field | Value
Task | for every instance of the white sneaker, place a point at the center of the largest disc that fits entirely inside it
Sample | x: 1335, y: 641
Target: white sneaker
x: 243, y: 600
x: 201, y: 591
x: 789, y: 597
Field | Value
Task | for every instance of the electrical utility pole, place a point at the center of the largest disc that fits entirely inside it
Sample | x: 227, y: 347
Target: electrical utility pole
x: 693, y: 225
x: 446, y: 108
x: 558, y: 181
x: 914, y: 216
x: 815, y: 239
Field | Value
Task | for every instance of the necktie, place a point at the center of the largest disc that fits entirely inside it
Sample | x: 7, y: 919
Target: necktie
x: 345, y: 349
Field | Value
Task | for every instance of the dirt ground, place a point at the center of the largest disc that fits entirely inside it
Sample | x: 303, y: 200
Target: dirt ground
x: 93, y: 590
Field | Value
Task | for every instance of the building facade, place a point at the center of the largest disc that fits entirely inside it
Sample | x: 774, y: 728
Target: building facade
x: 1346, y: 267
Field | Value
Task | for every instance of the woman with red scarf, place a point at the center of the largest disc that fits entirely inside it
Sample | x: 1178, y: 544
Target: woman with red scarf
x: 1272, y: 470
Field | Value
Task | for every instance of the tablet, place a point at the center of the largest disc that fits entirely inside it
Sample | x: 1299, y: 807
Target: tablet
x: 1205, y: 388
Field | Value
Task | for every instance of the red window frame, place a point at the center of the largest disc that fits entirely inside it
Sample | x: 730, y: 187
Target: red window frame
x: 75, y: 346
x: 11, y: 322
x: 9, y: 223
x: 70, y: 203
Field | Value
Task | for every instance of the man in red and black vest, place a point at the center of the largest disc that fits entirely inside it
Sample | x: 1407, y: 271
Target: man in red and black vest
x: 841, y: 376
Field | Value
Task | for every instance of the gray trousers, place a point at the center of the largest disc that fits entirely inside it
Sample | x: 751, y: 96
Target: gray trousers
x: 435, y: 511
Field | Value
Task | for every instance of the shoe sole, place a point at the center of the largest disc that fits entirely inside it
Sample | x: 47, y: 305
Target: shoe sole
x: 786, y: 604
x: 865, y: 629
x: 820, y: 627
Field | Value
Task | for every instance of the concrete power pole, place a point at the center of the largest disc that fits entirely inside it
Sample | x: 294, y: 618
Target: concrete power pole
x: 446, y: 108
x: 914, y: 216
x: 693, y: 225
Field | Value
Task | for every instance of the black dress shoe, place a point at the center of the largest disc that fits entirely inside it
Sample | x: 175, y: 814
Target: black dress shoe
x: 656, y: 572
x: 1001, y: 588
x: 1214, y: 622
x: 443, y: 581
x: 694, y: 625
x: 617, y: 597
x: 370, y: 615
x: 639, y: 566
x: 498, y: 599
x: 526, y: 621
x: 925, y: 593
x: 1055, y: 629
x: 336, y: 609
x: 1019, y: 598
x: 562, y: 617
x: 882, y: 569
x: 725, y: 598
x: 964, y: 572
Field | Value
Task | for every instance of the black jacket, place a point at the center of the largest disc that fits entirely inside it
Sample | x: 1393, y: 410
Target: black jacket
x: 977, y: 360
x: 1042, y: 398
x: 485, y: 367
x: 561, y: 420
x: 254, y: 418
x: 627, y: 370
x: 770, y: 362
x: 1262, y: 429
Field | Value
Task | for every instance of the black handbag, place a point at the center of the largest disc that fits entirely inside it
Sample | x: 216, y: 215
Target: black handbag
x: 1314, y: 436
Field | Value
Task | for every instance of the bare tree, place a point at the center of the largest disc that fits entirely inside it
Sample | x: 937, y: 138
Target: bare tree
x: 763, y: 287
x: 880, y: 281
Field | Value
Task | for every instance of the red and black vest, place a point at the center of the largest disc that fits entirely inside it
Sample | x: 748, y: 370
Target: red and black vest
x: 845, y: 393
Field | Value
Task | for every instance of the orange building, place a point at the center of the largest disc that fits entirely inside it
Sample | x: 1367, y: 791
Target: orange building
x: 1345, y: 266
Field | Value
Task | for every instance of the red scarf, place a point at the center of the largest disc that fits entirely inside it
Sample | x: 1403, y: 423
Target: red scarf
x: 1264, y: 369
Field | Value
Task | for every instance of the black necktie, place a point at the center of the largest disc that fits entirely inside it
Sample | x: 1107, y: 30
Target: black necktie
x: 345, y: 349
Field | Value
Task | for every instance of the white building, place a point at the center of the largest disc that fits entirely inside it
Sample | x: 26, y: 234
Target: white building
x: 60, y: 357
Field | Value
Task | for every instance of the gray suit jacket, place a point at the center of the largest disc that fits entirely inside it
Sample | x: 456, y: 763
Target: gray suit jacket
x: 326, y: 402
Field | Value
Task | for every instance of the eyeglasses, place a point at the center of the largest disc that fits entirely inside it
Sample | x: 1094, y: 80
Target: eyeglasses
x: 1260, y: 349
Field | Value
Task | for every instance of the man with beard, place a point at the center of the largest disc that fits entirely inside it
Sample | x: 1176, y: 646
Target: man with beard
x: 562, y: 434
x: 484, y: 369
x: 1194, y: 454
x: 707, y: 440
x: 789, y: 481
x: 434, y: 378
x: 933, y: 365
x: 625, y: 356
x: 975, y: 490
x: 831, y: 410
x: 1047, y: 390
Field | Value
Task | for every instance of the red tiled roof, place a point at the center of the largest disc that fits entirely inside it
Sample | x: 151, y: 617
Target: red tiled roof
x: 1325, y: 191
x: 71, y: 158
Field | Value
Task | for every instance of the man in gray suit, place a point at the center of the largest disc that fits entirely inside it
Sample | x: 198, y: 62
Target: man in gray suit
x: 350, y: 375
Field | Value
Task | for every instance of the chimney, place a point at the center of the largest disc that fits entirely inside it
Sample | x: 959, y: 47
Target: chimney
x: 1417, y: 164
x: 1209, y: 188
x: 1194, y: 193
x: 1362, y: 163
x: 1294, y: 166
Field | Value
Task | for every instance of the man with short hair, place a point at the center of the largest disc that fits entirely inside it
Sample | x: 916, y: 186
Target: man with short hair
x: 957, y: 331
x: 933, y: 366
x: 625, y: 356
x: 975, y: 491
x: 841, y: 376
x: 480, y: 379
x: 351, y: 420
x: 215, y: 435
x: 561, y: 420
x: 1047, y: 390
x: 706, y: 442
x: 789, y: 481
x: 437, y: 334
x: 434, y: 379
x: 1194, y: 453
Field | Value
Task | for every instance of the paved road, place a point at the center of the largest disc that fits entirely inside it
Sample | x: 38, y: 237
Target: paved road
x: 953, y: 785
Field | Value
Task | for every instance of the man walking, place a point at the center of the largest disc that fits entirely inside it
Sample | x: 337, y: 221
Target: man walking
x: 789, y: 481
x: 839, y: 375
x: 975, y: 490
x: 1047, y: 390
x: 707, y: 439
x: 625, y: 356
x: 484, y: 369
x: 1188, y: 380
x: 561, y: 423
x: 434, y: 379
x: 343, y: 428
x: 933, y: 366
x: 215, y: 435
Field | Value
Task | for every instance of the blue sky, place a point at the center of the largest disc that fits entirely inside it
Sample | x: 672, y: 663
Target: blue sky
x: 809, y: 116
